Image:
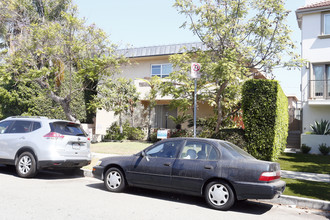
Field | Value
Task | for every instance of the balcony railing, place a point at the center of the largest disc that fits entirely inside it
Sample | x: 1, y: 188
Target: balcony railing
x: 319, y: 89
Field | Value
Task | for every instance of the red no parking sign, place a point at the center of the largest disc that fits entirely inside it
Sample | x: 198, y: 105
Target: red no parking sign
x: 195, y: 70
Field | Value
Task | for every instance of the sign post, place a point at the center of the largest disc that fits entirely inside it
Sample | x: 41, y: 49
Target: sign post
x: 195, y: 74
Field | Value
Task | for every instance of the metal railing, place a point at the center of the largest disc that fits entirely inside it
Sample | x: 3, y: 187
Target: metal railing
x: 318, y: 89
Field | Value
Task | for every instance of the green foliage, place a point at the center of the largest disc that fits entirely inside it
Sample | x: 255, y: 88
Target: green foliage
x: 324, y: 149
x: 240, y: 38
x: 179, y: 120
x: 265, y: 116
x: 235, y: 136
x: 154, y: 84
x: 48, y: 45
x: 134, y: 133
x: 129, y: 133
x: 180, y: 133
x: 322, y: 127
x: 118, y: 95
x: 305, y: 149
x: 153, y: 136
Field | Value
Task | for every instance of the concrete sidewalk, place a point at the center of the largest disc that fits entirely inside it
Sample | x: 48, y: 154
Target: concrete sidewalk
x: 306, y: 176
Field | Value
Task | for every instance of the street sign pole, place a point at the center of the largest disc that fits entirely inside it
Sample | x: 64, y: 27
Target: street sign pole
x: 195, y: 74
x: 195, y: 106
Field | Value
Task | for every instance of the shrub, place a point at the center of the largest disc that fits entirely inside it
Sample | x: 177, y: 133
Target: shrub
x: 129, y: 133
x: 235, y: 136
x: 113, y: 133
x: 153, y: 136
x: 266, y: 118
x: 322, y: 128
x: 324, y: 149
x: 180, y: 133
x: 305, y: 149
x: 135, y: 133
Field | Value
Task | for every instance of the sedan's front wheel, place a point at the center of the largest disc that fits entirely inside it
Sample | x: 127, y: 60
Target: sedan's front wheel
x: 26, y: 165
x: 219, y: 195
x: 114, y: 180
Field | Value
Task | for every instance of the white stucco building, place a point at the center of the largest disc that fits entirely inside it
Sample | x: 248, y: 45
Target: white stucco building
x: 314, y: 22
x: 145, y: 63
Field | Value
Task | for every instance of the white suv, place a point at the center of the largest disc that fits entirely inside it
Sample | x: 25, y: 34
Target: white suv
x: 33, y: 143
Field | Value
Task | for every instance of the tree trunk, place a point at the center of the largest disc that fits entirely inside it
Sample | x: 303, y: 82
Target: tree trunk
x: 220, y: 91
x: 149, y: 124
x: 64, y: 102
x: 120, y: 124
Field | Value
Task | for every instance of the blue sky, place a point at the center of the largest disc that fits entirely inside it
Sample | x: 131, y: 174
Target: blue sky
x: 156, y: 22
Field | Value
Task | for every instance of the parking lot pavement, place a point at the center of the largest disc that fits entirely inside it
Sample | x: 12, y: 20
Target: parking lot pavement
x: 56, y: 195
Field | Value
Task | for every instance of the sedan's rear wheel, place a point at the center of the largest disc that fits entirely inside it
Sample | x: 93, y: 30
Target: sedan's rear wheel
x: 114, y: 180
x: 219, y: 195
x: 26, y: 165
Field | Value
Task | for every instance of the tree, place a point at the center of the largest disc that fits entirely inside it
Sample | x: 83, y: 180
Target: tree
x: 55, y: 50
x: 242, y: 37
x: 154, y: 84
x: 118, y: 95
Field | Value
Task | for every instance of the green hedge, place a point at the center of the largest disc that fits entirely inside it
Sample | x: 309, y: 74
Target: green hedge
x: 233, y: 135
x: 266, y: 118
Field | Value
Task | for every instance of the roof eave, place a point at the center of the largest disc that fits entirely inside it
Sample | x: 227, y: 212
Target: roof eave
x: 303, y: 11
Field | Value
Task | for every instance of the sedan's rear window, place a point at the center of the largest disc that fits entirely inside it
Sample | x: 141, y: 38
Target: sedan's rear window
x: 67, y: 128
x: 236, y: 151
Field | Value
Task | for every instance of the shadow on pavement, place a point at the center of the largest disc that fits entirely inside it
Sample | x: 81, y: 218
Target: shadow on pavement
x: 45, y: 174
x: 250, y: 207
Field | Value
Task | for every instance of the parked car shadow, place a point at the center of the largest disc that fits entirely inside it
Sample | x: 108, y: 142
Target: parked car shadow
x: 45, y: 174
x: 250, y: 207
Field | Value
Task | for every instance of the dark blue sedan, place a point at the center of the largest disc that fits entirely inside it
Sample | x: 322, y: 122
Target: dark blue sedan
x: 218, y: 170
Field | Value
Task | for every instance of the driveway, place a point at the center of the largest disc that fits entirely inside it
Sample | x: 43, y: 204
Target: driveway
x: 55, y: 195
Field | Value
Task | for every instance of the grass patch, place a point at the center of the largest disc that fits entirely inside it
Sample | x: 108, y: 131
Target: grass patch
x: 307, y: 189
x: 310, y: 163
x: 120, y: 148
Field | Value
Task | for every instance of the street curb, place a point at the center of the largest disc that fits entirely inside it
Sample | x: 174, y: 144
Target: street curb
x: 284, y: 199
x: 87, y: 173
x: 301, y: 202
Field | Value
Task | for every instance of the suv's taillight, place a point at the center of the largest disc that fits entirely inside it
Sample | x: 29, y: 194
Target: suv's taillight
x: 269, y: 176
x: 54, y: 135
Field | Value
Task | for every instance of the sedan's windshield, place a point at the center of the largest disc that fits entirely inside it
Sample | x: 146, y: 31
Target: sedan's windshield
x: 236, y: 151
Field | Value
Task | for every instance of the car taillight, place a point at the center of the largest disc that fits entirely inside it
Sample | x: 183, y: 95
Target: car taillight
x: 270, y: 176
x: 54, y: 135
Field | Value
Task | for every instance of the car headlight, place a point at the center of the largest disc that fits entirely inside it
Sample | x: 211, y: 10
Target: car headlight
x: 98, y: 163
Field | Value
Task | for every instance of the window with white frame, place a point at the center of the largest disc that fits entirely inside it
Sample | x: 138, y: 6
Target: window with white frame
x: 161, y: 70
x: 320, y: 81
x: 326, y: 23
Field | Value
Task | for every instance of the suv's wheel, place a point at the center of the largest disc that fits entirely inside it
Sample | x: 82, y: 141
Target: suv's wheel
x: 114, y: 180
x: 26, y: 165
x: 219, y: 195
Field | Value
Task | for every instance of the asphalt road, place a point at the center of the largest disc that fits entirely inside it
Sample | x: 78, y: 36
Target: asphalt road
x: 55, y: 195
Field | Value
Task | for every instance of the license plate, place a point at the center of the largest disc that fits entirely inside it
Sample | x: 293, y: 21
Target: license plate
x: 76, y: 146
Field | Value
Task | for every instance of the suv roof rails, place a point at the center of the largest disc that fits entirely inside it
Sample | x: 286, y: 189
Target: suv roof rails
x: 41, y: 117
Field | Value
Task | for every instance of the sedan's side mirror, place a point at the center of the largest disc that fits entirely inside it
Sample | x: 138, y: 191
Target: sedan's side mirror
x: 143, y: 154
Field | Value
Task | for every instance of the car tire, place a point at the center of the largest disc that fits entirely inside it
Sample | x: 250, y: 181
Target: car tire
x: 114, y: 180
x: 26, y: 165
x: 219, y: 195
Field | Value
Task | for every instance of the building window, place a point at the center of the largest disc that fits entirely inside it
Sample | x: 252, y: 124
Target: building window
x: 320, y: 82
x: 161, y: 70
x: 326, y: 24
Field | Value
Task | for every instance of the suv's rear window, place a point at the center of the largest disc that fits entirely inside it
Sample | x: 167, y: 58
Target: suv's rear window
x: 66, y: 128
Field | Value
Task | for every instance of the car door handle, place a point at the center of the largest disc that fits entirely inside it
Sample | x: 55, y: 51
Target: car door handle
x: 208, y: 167
x: 167, y: 164
x: 22, y: 138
